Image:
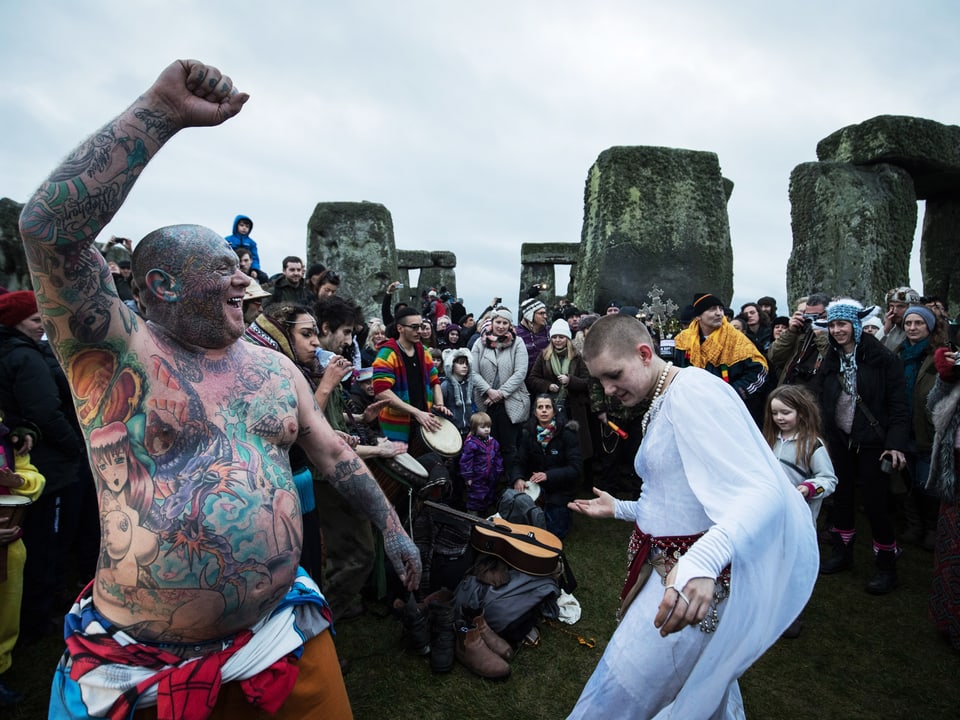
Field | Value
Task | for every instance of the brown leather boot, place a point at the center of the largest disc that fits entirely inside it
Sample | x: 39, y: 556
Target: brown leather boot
x: 496, y: 643
x: 473, y: 652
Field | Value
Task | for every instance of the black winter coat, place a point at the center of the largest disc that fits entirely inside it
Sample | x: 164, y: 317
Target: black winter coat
x: 560, y: 460
x: 880, y: 383
x: 31, y: 396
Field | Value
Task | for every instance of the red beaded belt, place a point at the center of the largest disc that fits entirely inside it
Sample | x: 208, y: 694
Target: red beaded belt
x: 671, y: 548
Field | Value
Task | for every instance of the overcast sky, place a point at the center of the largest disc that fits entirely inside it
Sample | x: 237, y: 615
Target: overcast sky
x: 474, y: 123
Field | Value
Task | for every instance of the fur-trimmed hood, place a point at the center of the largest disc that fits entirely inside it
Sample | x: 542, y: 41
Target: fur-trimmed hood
x: 450, y: 355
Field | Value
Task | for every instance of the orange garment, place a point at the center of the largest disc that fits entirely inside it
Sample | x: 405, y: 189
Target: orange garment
x: 725, y: 346
x: 318, y: 695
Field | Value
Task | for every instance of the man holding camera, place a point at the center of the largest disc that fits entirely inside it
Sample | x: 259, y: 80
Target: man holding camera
x: 798, y: 352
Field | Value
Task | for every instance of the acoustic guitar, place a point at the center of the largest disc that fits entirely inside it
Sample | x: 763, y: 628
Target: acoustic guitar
x: 526, y: 548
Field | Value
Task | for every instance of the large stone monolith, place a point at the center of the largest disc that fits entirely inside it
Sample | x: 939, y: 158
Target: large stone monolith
x: 440, y: 273
x: 939, y: 259
x: 852, y: 229
x: 653, y: 216
x: 356, y: 240
x: 538, y: 263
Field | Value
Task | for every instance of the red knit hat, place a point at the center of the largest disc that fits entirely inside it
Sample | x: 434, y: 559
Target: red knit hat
x: 15, y: 307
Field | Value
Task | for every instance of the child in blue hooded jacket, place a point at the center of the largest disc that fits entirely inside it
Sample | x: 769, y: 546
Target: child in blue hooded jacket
x: 242, y: 227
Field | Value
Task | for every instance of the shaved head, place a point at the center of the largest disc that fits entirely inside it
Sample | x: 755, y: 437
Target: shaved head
x: 617, y: 335
x: 185, y: 274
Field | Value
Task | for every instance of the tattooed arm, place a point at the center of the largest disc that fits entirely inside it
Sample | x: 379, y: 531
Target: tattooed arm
x: 351, y: 478
x: 75, y: 290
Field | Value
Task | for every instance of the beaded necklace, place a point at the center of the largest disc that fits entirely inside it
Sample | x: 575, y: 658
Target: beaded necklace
x: 657, y: 399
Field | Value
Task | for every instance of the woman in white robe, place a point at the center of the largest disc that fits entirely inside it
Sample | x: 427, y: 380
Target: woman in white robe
x: 706, y: 469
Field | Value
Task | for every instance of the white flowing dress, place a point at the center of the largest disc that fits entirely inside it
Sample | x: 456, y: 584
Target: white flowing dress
x: 706, y: 468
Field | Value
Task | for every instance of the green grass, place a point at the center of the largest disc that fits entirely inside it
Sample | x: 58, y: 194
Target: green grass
x: 859, y: 656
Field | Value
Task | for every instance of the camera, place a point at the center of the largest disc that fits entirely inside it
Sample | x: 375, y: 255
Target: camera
x: 497, y: 301
x: 808, y: 318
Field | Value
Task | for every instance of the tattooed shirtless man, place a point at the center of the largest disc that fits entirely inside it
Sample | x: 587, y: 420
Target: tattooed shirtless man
x: 197, y: 582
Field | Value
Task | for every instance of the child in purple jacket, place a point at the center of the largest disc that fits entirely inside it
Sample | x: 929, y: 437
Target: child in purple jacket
x: 481, y: 464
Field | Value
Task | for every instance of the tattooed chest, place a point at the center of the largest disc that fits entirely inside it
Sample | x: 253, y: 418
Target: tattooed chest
x: 170, y: 412
x: 251, y: 405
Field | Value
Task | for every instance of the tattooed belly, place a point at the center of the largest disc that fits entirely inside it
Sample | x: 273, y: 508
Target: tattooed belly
x: 212, y: 560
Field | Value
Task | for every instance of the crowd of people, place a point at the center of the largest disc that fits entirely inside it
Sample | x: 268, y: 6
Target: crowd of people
x: 255, y: 440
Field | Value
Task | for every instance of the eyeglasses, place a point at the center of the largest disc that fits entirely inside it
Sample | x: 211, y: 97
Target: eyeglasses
x: 409, y: 327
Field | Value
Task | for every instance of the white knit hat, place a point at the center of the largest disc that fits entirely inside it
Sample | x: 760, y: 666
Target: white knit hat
x: 560, y: 327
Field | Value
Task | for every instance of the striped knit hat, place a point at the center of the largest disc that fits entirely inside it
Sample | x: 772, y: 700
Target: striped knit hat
x: 529, y: 307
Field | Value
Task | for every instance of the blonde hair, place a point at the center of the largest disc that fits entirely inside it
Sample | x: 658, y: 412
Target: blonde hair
x: 374, y: 327
x: 478, y: 419
x: 572, y: 351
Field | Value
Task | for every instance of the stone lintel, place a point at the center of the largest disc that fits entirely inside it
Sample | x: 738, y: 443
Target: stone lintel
x: 928, y: 150
x: 410, y: 259
x: 558, y: 253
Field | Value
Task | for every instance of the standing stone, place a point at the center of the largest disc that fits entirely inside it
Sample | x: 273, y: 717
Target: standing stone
x: 653, y: 217
x: 538, y: 263
x: 435, y: 268
x: 852, y: 229
x: 13, y: 260
x: 930, y: 152
x: 441, y: 272
x: 356, y: 240
x: 939, y: 260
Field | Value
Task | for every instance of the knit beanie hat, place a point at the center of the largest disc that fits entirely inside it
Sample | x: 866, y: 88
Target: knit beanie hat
x: 925, y: 313
x: 15, y: 307
x: 530, y: 306
x: 502, y: 312
x: 849, y: 310
x: 704, y: 301
x: 560, y: 327
x: 873, y: 321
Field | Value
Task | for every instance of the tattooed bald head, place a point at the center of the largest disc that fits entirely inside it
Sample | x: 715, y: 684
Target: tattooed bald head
x: 189, y: 282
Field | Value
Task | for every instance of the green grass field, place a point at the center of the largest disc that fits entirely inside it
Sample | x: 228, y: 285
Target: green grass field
x: 859, y: 656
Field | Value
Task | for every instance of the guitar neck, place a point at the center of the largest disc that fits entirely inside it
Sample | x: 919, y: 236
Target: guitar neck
x: 474, y: 519
x: 511, y: 531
